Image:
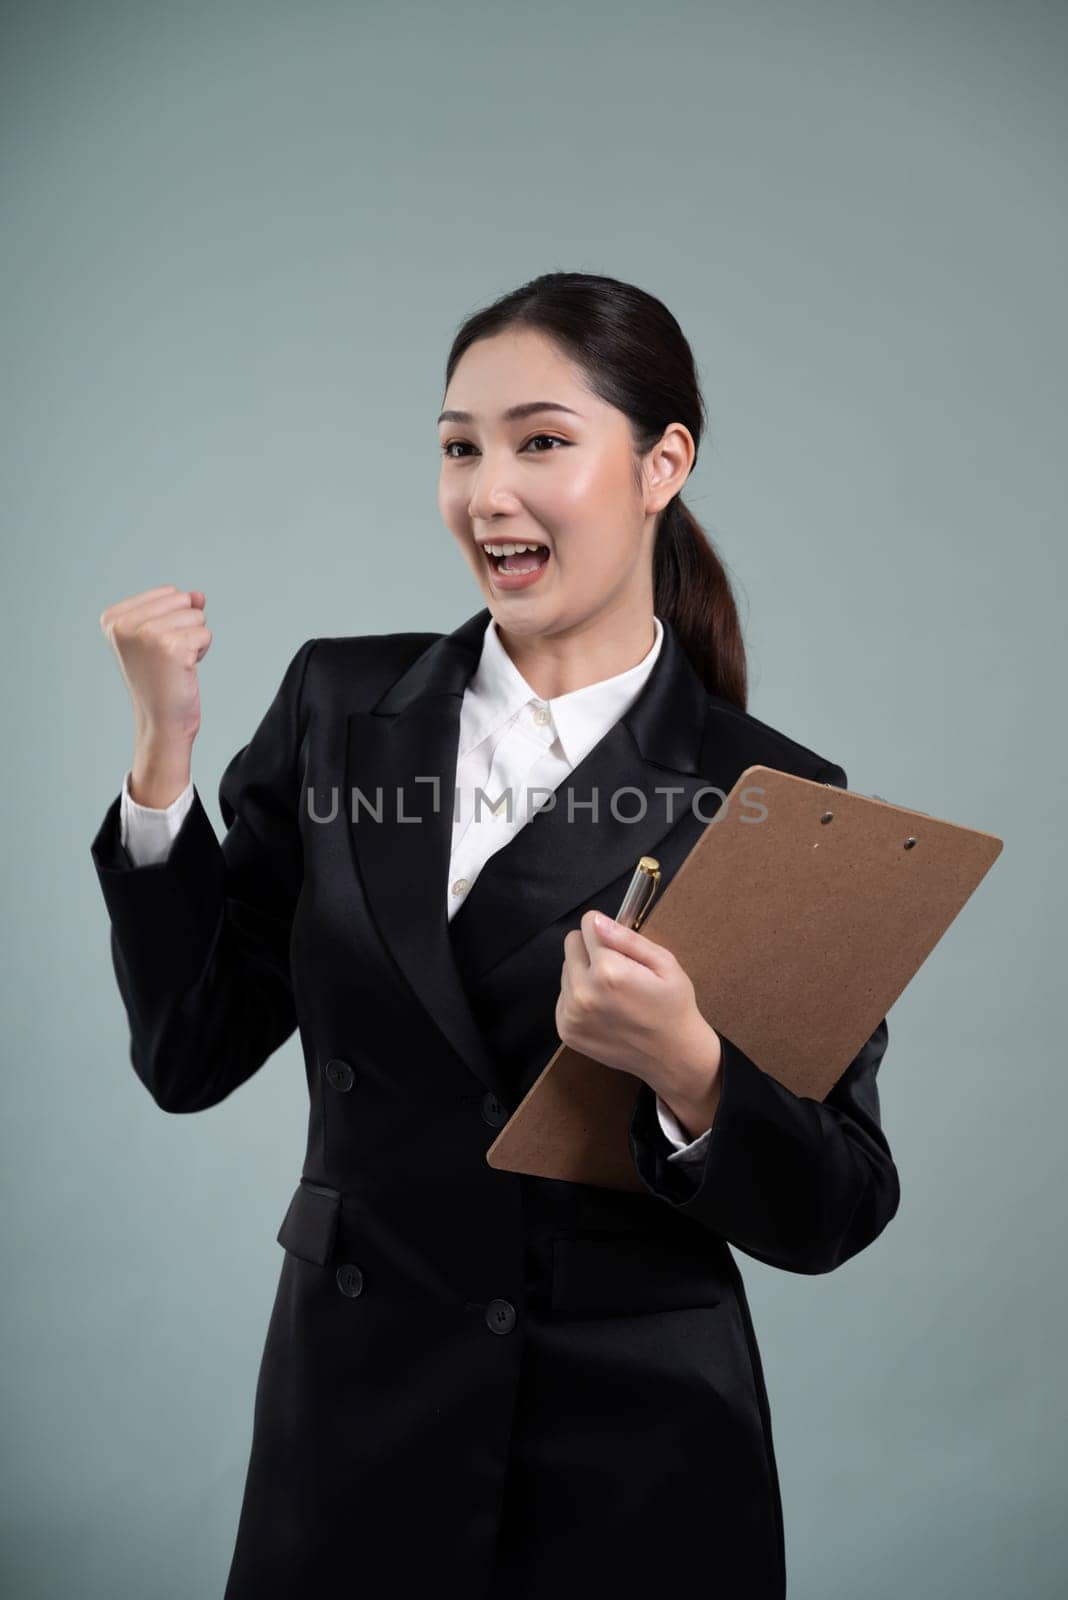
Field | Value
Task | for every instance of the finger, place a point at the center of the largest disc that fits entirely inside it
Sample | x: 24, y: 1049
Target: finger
x: 169, y: 621
x: 575, y: 950
x: 601, y: 931
x: 134, y: 600
x: 143, y: 608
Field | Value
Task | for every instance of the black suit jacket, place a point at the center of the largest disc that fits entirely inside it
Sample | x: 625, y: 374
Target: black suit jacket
x: 471, y: 1377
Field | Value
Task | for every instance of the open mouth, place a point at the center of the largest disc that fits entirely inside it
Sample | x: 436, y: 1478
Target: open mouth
x: 520, y: 561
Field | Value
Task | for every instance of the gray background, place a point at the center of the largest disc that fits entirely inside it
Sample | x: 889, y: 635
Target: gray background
x: 238, y: 239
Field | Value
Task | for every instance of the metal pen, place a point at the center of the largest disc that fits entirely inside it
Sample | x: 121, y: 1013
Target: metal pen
x: 640, y: 892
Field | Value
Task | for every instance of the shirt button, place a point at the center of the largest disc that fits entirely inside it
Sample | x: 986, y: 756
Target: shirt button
x: 459, y: 885
x: 541, y: 715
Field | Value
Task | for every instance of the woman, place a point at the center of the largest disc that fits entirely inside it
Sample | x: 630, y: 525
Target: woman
x: 476, y: 1378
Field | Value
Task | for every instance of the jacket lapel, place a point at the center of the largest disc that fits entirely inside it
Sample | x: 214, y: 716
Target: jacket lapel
x: 607, y: 814
x: 402, y: 755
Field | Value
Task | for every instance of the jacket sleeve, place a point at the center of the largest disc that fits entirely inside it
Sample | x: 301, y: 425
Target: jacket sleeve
x: 797, y: 1183
x: 200, y: 940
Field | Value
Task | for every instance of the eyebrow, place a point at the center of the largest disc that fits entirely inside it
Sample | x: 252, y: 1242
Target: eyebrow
x: 514, y: 413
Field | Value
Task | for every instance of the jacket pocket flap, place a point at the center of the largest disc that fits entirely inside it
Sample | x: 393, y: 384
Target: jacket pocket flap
x: 309, y: 1227
x: 633, y: 1273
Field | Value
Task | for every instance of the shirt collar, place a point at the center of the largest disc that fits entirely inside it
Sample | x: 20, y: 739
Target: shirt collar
x: 497, y: 691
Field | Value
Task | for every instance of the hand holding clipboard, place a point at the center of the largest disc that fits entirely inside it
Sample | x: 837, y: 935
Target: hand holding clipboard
x: 823, y: 912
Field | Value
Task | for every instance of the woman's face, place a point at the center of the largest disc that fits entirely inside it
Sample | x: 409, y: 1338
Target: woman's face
x: 558, y: 478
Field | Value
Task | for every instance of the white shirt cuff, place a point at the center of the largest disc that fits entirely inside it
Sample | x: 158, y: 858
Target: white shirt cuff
x: 148, y: 832
x: 686, y: 1150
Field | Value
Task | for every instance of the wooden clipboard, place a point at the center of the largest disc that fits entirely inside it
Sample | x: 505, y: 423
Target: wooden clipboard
x: 801, y: 914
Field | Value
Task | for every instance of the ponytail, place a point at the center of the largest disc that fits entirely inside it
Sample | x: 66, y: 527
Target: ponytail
x: 692, y: 591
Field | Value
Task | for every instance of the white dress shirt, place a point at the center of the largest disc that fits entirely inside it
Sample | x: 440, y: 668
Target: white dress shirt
x: 513, y: 747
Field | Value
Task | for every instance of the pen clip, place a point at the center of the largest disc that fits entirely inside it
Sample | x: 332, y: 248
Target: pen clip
x: 652, y: 879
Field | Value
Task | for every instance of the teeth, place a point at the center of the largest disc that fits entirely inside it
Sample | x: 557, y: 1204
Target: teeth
x: 510, y: 549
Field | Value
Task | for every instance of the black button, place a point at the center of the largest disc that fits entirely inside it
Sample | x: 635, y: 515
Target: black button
x: 493, y: 1112
x: 350, y: 1280
x: 500, y: 1316
x: 340, y: 1074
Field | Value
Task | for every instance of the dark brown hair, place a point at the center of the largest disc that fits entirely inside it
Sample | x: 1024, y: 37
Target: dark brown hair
x: 634, y: 356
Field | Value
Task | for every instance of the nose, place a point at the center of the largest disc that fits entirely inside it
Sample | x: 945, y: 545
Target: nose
x: 490, y: 495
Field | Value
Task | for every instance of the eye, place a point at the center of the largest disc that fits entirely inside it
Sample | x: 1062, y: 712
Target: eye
x: 462, y: 444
